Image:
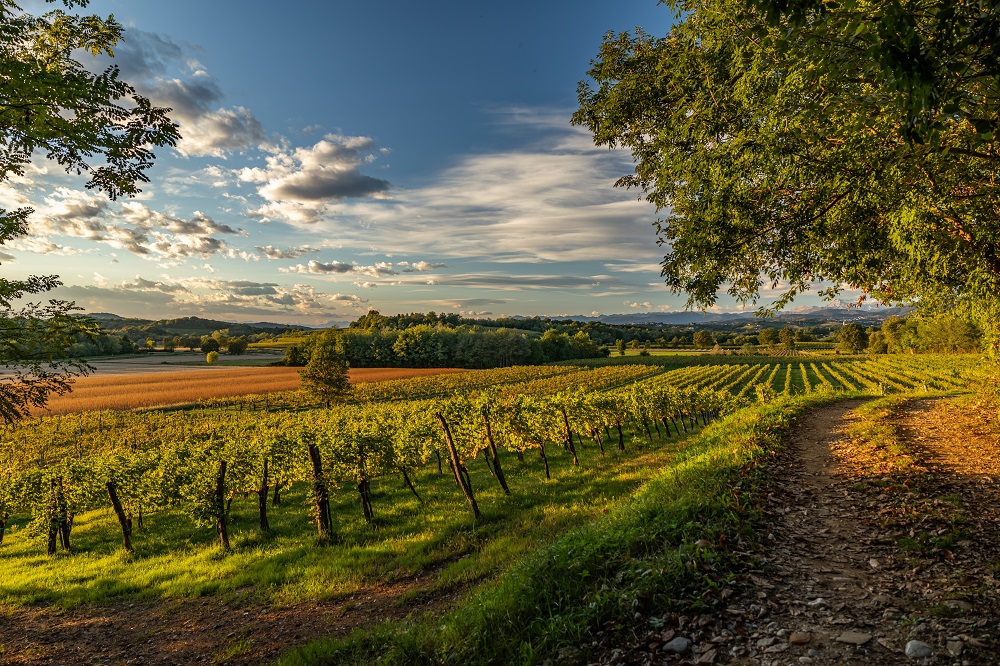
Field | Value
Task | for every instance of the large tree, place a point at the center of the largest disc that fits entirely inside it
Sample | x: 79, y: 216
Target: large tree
x: 89, y: 123
x: 789, y: 142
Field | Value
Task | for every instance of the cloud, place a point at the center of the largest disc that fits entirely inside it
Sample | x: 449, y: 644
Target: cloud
x: 159, y: 298
x: 647, y: 306
x: 272, y: 252
x: 165, y: 72
x: 299, y: 184
x: 379, y: 270
x: 130, y: 226
x: 550, y: 201
x: 467, y: 303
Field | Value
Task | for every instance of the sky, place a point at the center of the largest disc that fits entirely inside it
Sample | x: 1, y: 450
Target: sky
x: 339, y: 157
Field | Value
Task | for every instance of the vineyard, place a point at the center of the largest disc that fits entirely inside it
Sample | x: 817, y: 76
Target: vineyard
x: 392, y: 480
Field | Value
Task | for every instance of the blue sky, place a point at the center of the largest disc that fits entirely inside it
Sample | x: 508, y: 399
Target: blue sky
x: 340, y: 156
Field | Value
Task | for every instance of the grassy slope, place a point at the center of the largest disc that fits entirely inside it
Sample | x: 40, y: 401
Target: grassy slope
x: 663, y: 548
x: 439, y: 538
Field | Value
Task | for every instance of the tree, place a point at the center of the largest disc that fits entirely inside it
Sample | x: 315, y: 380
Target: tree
x: 209, y: 344
x: 703, y: 339
x: 50, y: 103
x: 787, y: 337
x: 768, y: 336
x: 803, y: 141
x: 212, y: 357
x: 620, y: 346
x: 238, y: 346
x: 852, y: 339
x: 325, y: 376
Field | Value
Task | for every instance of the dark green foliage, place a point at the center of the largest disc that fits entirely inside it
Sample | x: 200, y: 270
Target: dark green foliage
x: 790, y: 143
x: 325, y: 376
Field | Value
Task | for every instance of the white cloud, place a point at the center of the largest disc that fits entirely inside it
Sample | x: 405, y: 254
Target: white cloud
x: 299, y: 184
x: 378, y: 270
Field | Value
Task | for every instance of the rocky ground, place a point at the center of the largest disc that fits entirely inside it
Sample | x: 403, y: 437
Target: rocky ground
x: 866, y: 561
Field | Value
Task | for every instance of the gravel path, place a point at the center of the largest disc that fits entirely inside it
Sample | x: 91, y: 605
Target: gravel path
x: 861, y: 567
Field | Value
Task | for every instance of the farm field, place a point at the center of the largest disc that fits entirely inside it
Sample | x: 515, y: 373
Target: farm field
x: 403, y: 487
x: 160, y: 389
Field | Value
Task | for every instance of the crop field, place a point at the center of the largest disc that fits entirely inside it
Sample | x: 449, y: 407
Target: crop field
x: 118, y: 392
x: 447, y: 479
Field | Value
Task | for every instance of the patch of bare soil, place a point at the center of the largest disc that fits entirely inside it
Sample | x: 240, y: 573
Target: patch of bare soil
x: 861, y: 567
x: 198, y: 631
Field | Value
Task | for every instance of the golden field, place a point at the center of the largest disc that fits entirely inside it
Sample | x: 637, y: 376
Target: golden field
x: 158, y: 389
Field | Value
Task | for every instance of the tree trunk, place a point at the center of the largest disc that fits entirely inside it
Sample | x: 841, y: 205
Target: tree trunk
x: 659, y: 435
x: 541, y: 452
x: 221, y: 514
x: 520, y: 456
x: 262, y: 500
x: 438, y: 454
x: 600, y: 442
x: 465, y: 485
x: 486, y: 457
x: 276, y: 496
x: 680, y: 415
x: 138, y: 517
x: 123, y: 519
x: 621, y: 436
x: 409, y: 484
x: 495, y: 453
x: 666, y: 425
x: 569, y: 438
x: 364, y: 489
x: 3, y: 527
x: 321, y: 496
x: 649, y: 434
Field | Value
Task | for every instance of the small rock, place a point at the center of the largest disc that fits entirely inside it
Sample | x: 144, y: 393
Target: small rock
x: 800, y: 638
x: 806, y: 660
x: 766, y: 642
x: 854, y: 638
x: 874, y: 564
x: 813, y: 653
x: 702, y: 543
x: 955, y: 648
x: 708, y: 657
x: 918, y: 649
x: 817, y: 602
x: 678, y: 645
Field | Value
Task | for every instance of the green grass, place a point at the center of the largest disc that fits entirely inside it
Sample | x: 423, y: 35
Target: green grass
x: 647, y: 555
x: 176, y: 558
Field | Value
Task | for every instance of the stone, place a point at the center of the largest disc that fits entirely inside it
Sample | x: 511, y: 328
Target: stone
x: 817, y: 602
x: 800, y: 638
x: 806, y: 660
x: 854, y: 638
x: 955, y: 648
x: 918, y: 649
x: 678, y: 645
x: 766, y: 642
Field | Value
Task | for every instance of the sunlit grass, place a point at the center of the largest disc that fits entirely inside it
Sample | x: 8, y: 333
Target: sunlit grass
x: 437, y: 539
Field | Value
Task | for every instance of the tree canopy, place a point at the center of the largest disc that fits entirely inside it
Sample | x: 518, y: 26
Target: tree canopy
x: 88, y: 123
x: 791, y: 142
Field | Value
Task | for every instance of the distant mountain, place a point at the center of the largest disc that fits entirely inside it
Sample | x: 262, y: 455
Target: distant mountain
x: 184, y: 326
x: 802, y: 315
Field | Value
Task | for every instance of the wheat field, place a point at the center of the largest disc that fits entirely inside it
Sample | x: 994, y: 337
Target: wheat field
x: 161, y: 389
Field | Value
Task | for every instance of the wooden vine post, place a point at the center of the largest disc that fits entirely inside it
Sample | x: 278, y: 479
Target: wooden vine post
x: 461, y: 479
x: 123, y: 518
x: 221, y: 523
x: 262, y: 500
x: 321, y: 496
x: 569, y: 437
x: 495, y: 455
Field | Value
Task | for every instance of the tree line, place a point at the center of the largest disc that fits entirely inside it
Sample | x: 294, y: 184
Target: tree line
x: 441, y: 346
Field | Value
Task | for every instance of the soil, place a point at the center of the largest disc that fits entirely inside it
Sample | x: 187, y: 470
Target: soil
x: 199, y: 631
x: 857, y: 567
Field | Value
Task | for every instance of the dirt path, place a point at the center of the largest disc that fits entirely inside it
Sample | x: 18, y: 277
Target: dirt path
x: 864, y: 558
x: 197, y: 631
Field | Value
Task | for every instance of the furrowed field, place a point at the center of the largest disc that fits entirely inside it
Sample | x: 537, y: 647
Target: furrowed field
x: 448, y: 480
